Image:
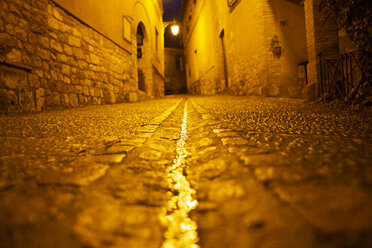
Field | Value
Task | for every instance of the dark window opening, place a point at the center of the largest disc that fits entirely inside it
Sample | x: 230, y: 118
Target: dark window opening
x: 140, y: 36
x: 141, y: 80
x: 139, y: 53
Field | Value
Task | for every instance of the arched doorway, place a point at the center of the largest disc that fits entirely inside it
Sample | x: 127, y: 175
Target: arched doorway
x: 142, y: 56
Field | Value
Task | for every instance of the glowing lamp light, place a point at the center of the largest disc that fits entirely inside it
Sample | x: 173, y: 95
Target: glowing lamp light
x: 175, y: 29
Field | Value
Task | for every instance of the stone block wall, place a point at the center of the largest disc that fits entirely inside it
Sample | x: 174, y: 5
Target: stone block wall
x: 158, y: 82
x: 206, y: 85
x: 249, y: 31
x: 174, y: 71
x: 244, y: 48
x: 285, y: 47
x: 48, y: 58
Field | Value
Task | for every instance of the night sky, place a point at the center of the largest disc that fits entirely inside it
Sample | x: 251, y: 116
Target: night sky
x: 171, y: 9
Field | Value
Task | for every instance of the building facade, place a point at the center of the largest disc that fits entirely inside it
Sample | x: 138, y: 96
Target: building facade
x: 174, y: 67
x: 64, y: 53
x: 256, y: 47
x: 175, y: 79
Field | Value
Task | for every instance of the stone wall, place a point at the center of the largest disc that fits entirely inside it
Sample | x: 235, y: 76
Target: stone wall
x: 285, y: 30
x: 199, y: 40
x: 51, y: 59
x: 245, y: 49
x: 249, y: 31
x: 175, y: 78
x: 158, y: 82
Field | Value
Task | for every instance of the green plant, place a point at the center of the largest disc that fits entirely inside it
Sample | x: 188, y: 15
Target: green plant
x: 355, y: 17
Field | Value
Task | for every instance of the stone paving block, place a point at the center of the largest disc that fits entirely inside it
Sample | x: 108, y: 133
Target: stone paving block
x: 150, y: 126
x: 109, y: 158
x: 222, y: 130
x: 211, y: 169
x: 206, y: 150
x: 264, y: 159
x: 204, y: 154
x: 214, y: 124
x: 143, y: 134
x: 160, y: 144
x: 80, y: 174
x: 6, y: 180
x: 246, y: 150
x: 137, y: 142
x: 227, y: 134
x: 150, y: 155
x: 110, y: 139
x: 204, y: 142
x: 168, y: 135
x: 234, y: 141
x: 138, y: 166
x: 159, y: 119
x: 108, y: 223
x: 140, y: 194
x: 33, y: 215
x: 332, y: 208
x: 225, y: 190
x: 118, y: 148
x: 147, y: 129
x: 281, y: 174
x: 208, y: 117
x: 25, y: 208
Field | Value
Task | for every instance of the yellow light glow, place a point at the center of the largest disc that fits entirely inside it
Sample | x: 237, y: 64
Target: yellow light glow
x: 175, y: 29
x: 181, y: 230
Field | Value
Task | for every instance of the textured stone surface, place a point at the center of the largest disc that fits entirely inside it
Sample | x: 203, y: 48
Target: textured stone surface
x: 132, y: 97
x: 109, y: 158
x: 234, y: 141
x: 63, y: 57
x: 53, y: 99
x: 118, y: 148
x: 80, y: 174
x: 331, y: 203
x: 288, y: 186
x: 150, y: 155
x: 315, y: 158
x: 240, y: 60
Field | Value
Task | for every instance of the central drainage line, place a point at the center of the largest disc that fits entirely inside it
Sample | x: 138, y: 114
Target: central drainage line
x: 181, y: 230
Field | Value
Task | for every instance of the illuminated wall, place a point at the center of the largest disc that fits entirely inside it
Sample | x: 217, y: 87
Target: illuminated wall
x: 64, y: 53
x: 199, y: 42
x: 239, y: 41
x: 107, y: 18
x: 175, y: 80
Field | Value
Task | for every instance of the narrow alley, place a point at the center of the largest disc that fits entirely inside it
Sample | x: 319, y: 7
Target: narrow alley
x: 185, y: 124
x: 187, y: 172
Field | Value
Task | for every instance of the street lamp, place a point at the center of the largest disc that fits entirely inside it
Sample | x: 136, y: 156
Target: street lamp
x: 175, y: 28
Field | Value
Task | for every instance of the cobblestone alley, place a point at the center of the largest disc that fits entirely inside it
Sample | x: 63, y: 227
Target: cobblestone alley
x: 221, y: 172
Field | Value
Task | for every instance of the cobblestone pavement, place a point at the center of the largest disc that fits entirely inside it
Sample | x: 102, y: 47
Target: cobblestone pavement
x: 199, y: 172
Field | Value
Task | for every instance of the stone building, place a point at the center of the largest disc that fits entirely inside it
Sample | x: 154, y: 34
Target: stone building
x: 260, y: 47
x: 65, y: 53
